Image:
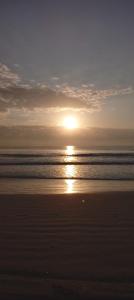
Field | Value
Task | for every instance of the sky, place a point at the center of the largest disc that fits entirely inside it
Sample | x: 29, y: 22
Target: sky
x: 67, y: 57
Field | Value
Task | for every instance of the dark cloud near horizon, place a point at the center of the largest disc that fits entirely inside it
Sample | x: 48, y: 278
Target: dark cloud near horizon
x: 42, y: 136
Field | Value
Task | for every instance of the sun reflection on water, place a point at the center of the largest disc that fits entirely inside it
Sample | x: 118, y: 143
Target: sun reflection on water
x: 70, y: 170
x: 70, y: 150
x: 69, y: 185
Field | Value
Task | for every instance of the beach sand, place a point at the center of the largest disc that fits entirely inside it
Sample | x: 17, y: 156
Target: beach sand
x: 69, y: 246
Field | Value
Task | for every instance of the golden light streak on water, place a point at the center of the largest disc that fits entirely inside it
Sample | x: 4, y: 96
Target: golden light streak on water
x: 69, y: 186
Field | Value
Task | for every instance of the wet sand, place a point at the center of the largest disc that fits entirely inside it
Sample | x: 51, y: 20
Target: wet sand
x: 70, y: 246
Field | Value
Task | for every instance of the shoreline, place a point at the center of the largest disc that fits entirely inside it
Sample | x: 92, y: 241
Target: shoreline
x: 68, y: 195
x: 58, y: 186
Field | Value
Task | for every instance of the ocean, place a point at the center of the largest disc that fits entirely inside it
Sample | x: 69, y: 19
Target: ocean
x: 65, y: 170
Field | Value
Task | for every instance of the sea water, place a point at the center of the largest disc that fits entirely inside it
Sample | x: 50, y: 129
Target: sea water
x: 65, y: 170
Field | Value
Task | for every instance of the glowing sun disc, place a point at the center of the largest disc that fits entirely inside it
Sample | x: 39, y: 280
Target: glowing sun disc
x: 70, y: 123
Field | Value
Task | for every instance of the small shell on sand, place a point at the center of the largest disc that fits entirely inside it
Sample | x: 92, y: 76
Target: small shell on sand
x: 82, y: 201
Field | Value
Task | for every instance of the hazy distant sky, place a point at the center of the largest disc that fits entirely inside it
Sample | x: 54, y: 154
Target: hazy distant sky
x: 61, y: 57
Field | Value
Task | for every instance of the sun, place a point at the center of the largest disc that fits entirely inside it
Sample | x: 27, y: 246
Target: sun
x: 70, y: 122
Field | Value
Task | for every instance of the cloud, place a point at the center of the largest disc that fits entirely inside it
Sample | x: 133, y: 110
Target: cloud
x: 55, y: 78
x: 7, y: 77
x: 92, y: 97
x: 16, y: 95
x: 36, y: 97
